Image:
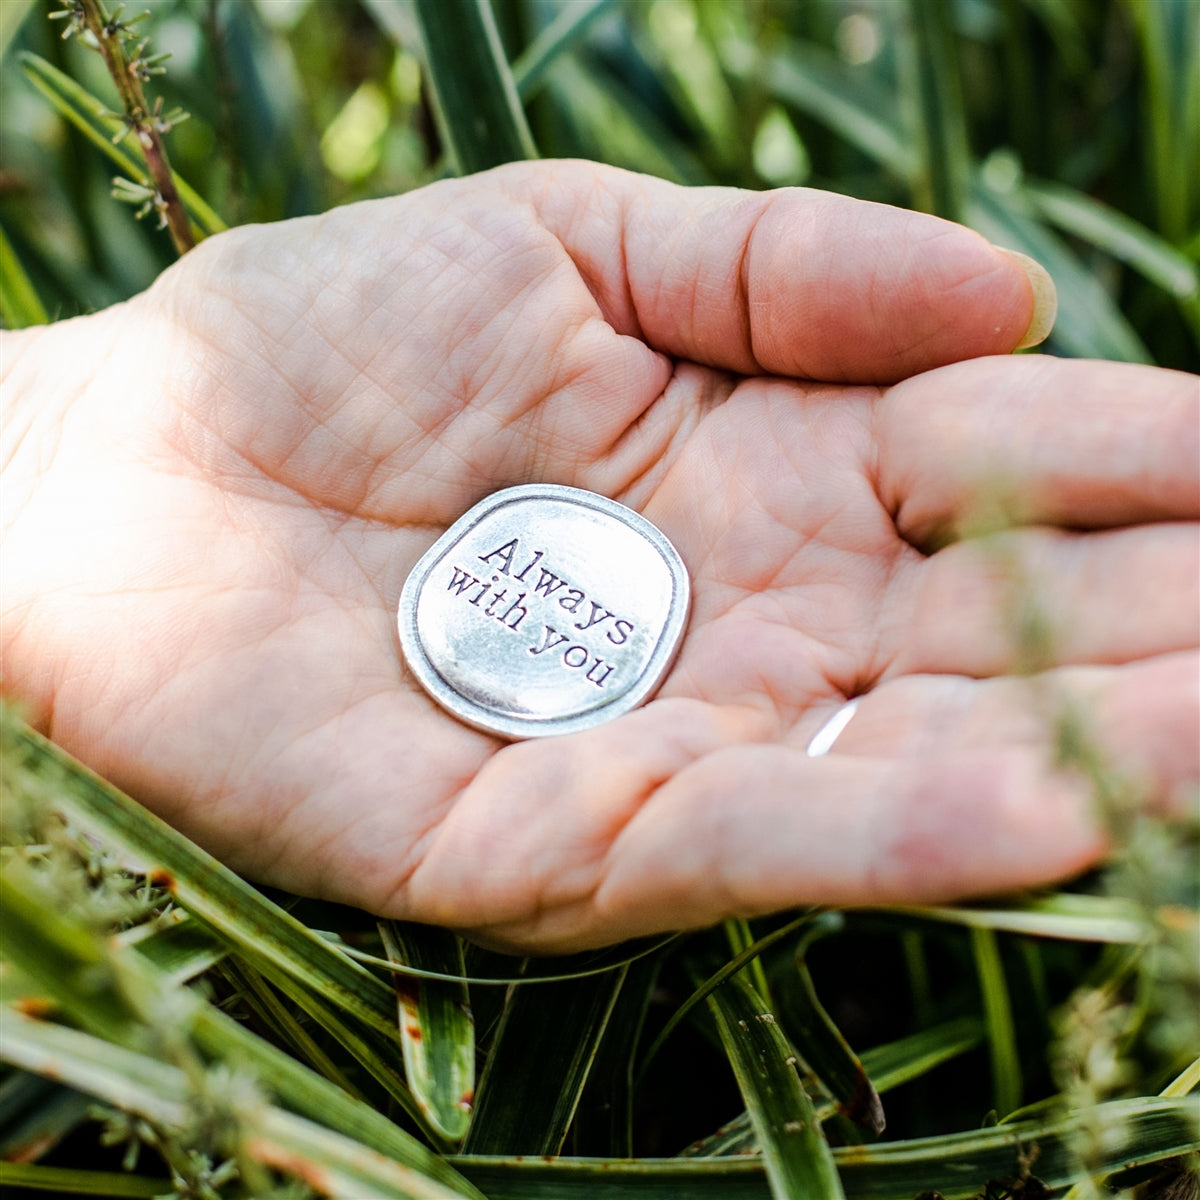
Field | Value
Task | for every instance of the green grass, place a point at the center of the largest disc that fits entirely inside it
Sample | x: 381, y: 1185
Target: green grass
x: 180, y: 1032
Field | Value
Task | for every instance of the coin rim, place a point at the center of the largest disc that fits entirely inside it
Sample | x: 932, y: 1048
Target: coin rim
x: 523, y: 728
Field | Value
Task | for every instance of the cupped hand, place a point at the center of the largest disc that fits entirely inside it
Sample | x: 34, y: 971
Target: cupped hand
x: 216, y: 491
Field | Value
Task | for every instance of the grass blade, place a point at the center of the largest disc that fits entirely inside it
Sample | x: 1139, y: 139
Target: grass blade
x: 160, y: 1093
x: 1113, y: 232
x: 570, y: 27
x: 932, y: 67
x: 180, y: 951
x: 437, y: 1030
x: 1078, y: 918
x: 997, y: 1012
x: 539, y: 1062
x: 829, y: 1055
x: 378, y: 1053
x: 1170, y: 40
x: 479, y: 113
x: 715, y: 980
x: 95, y: 980
x: 66, y: 1181
x: 344, y: 998
x: 1089, y: 323
x: 269, y: 938
x: 604, y: 1119
x: 796, y: 1156
x: 20, y: 306
x: 94, y: 120
x: 957, y: 1165
x: 266, y: 1005
x: 816, y: 83
x: 609, y: 121
x: 60, y: 964
x: 12, y: 17
x: 47, y: 1112
x: 549, y: 970
x: 1188, y: 1080
x: 902, y: 1061
x: 741, y: 939
x: 888, y: 1066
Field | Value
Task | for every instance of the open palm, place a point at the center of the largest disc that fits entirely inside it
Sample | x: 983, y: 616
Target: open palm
x: 210, y: 540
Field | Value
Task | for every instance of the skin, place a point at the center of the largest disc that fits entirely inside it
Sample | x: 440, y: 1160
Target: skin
x: 214, y: 493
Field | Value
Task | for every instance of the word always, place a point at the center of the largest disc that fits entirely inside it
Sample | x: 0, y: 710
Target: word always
x: 510, y: 611
x: 549, y: 584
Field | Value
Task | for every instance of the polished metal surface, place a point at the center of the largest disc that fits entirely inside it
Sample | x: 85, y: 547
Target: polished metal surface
x: 544, y: 610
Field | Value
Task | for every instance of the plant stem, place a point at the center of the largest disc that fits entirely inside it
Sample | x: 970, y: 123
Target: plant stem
x: 141, y: 120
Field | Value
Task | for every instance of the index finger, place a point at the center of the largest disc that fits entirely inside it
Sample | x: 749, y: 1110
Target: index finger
x: 793, y: 282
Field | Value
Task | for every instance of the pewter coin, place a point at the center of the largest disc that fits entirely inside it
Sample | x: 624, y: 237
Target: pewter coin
x: 543, y: 610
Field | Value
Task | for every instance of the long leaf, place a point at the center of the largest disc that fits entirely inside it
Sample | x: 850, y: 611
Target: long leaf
x: 46, y: 1112
x: 12, y: 17
x: 829, y: 1055
x: 604, y: 1119
x: 888, y: 1066
x: 735, y: 964
x: 1078, y: 918
x: 105, y: 131
x: 60, y: 963
x: 270, y: 938
x: 19, y: 302
x: 796, y: 1155
x: 997, y: 1012
x: 815, y: 82
x: 160, y: 1093
x: 1170, y: 41
x: 95, y: 981
x: 940, y: 121
x: 909, y: 1058
x: 1125, y: 239
x: 479, y: 113
x: 66, y: 1181
x: 957, y: 1165
x: 611, y: 122
x: 436, y: 1027
x: 1089, y: 323
x: 1186, y: 1081
x: 272, y: 1012
x: 570, y: 27
x: 378, y: 1053
x: 539, y: 1062
x: 544, y: 970
x: 180, y: 950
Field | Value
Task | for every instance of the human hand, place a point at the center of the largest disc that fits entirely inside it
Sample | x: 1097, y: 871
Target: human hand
x: 217, y: 490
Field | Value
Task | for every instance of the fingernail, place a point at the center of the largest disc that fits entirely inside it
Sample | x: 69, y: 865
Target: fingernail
x: 1045, y: 298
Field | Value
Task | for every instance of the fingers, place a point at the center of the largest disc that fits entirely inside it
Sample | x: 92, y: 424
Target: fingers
x: 1036, y: 597
x: 530, y: 834
x: 1143, y: 716
x: 759, y: 829
x: 672, y: 818
x: 1039, y: 440
x: 796, y: 282
x: 959, y: 796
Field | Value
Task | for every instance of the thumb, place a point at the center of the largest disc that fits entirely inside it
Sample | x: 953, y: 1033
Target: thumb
x: 794, y: 282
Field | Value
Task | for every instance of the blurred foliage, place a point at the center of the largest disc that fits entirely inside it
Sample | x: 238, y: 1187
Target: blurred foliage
x: 264, y: 1046
x: 1066, y: 128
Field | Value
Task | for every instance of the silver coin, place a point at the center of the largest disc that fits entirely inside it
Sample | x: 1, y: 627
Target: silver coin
x: 544, y: 610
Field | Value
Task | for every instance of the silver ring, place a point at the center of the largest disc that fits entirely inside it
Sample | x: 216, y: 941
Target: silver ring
x: 824, y: 738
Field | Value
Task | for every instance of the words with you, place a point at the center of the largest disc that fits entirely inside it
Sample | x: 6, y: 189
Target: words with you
x: 540, y: 581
